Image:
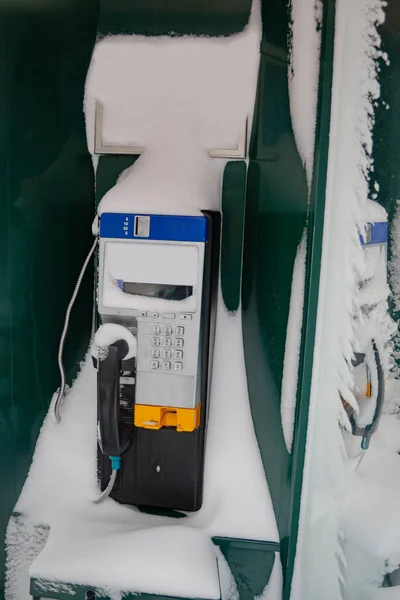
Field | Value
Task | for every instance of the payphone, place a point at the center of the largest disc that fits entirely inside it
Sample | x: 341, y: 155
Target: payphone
x: 157, y: 282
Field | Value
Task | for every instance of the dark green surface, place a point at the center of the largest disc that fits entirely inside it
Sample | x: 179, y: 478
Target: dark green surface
x: 233, y: 209
x: 251, y: 563
x: 173, y: 17
x: 109, y: 168
x: 277, y: 213
x: 386, y: 133
x: 47, y: 201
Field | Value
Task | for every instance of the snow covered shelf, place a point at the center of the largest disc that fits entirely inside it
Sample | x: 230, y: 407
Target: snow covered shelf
x: 251, y: 563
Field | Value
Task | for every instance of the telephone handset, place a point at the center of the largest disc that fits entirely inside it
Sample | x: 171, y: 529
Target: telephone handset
x: 114, y: 437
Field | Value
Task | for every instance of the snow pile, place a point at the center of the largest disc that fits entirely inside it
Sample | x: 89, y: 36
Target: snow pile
x: 177, y: 97
x: 182, y: 557
x: 108, y: 334
x: 370, y: 514
x: 342, y: 324
x: 394, y: 270
x: 292, y: 345
x: 303, y: 76
x: 62, y: 485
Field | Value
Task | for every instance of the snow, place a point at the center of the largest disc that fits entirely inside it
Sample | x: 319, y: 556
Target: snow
x: 292, y: 345
x: 177, y: 97
x: 183, y: 557
x: 109, y: 333
x: 394, y: 266
x: 62, y: 486
x: 334, y: 557
x: 303, y: 76
x: 372, y: 529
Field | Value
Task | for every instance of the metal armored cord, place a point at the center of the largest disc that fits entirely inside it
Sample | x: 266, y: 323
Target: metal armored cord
x: 61, y: 392
x: 109, y: 487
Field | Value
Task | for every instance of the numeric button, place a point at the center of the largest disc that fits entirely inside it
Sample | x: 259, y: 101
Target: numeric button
x: 154, y: 353
x: 179, y: 342
x: 166, y: 365
x: 180, y: 330
x: 178, y: 354
x: 155, y: 341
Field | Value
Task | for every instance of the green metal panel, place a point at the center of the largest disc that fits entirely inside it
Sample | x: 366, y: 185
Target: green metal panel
x: 277, y: 213
x: 47, y: 205
x: 233, y: 208
x: 251, y: 563
x: 386, y: 133
x: 173, y: 17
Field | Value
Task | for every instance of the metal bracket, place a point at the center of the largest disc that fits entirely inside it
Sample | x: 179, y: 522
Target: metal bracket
x: 99, y: 147
x: 239, y: 152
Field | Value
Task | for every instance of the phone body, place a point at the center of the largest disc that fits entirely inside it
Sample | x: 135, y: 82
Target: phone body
x: 158, y: 276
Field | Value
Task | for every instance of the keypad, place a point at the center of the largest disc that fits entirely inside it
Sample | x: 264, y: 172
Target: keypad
x: 167, y: 342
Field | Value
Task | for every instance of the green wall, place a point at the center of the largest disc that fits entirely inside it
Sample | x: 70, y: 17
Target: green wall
x: 47, y: 205
x: 278, y: 210
x: 173, y: 17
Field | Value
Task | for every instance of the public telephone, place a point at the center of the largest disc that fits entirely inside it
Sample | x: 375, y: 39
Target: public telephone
x: 157, y: 281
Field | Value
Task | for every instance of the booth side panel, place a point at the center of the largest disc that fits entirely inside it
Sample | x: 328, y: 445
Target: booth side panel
x: 275, y: 220
x: 386, y: 135
x: 277, y: 214
x: 47, y: 205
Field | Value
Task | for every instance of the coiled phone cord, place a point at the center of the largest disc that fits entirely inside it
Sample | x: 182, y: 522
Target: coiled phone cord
x: 61, y: 392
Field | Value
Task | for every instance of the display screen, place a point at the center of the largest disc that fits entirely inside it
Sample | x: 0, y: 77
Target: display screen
x: 156, y: 290
x: 143, y: 275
